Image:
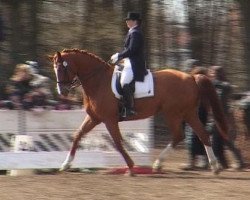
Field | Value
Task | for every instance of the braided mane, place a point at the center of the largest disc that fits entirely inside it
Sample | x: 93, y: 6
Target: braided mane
x: 85, y: 52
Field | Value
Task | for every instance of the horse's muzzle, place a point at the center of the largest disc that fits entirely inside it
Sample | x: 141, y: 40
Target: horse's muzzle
x: 62, y: 89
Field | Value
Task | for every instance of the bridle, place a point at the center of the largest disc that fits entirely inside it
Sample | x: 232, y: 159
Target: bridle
x: 67, y: 84
x: 66, y: 71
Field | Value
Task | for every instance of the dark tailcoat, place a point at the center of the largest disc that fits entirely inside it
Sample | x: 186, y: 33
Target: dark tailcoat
x: 134, y: 50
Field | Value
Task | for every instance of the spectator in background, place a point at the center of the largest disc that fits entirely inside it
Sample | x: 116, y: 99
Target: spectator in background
x: 40, y: 84
x: 27, y: 89
x: 224, y: 90
x: 19, y: 87
x: 195, y: 147
x: 34, y: 65
x: 244, y: 105
x: 189, y: 64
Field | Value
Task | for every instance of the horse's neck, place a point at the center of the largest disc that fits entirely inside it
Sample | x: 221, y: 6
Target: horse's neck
x: 95, y: 80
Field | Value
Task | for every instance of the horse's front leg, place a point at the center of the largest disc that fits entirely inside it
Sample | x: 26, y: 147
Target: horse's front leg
x: 87, y: 125
x: 115, y: 133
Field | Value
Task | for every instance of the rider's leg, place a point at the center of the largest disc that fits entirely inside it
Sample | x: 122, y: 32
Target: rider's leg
x: 126, y: 78
x: 128, y: 100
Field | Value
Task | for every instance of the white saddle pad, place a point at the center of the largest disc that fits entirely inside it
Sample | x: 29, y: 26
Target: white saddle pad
x: 142, y: 89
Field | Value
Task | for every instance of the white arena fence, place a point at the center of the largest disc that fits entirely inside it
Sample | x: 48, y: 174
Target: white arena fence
x: 42, y: 139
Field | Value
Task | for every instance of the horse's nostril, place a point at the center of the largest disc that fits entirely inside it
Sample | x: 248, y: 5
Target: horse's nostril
x: 64, y: 92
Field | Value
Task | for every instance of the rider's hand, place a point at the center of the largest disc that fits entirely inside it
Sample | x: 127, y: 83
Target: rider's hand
x: 114, y: 58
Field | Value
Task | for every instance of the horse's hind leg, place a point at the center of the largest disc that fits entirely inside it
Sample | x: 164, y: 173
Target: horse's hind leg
x: 157, y: 165
x: 176, y: 129
x: 85, y: 127
x: 117, y: 138
x: 203, y: 135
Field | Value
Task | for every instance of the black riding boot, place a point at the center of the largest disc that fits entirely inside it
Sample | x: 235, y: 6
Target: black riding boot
x: 128, y: 98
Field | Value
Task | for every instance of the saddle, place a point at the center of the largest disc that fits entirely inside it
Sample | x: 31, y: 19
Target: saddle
x: 141, y: 89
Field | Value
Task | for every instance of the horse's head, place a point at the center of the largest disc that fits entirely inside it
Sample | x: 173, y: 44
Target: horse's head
x: 73, y: 66
x: 65, y: 76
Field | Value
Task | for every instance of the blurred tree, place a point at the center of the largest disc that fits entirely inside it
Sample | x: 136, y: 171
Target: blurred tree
x: 245, y: 8
x: 196, y: 30
x: 1, y: 29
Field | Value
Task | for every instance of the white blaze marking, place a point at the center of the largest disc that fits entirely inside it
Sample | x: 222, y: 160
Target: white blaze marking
x: 57, y: 80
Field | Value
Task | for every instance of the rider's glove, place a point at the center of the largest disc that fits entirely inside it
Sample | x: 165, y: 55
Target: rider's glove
x: 114, y: 58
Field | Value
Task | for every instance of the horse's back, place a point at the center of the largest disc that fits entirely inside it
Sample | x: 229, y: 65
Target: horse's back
x: 175, y: 81
x: 176, y: 88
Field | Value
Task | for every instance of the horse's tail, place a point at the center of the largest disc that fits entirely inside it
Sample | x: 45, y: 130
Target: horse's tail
x: 209, y: 96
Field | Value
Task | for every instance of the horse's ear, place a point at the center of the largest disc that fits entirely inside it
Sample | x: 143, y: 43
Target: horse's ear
x: 50, y: 57
x: 59, y: 56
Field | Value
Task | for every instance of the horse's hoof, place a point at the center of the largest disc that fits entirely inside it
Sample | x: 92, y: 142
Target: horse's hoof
x: 216, y: 172
x: 156, y: 167
x: 215, y: 167
x: 129, y: 172
x: 157, y: 170
x: 67, y: 163
x: 65, y: 167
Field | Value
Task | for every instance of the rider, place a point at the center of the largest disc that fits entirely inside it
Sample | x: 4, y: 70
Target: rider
x: 134, y: 60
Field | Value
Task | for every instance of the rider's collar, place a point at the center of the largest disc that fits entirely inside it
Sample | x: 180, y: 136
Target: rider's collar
x: 132, y: 28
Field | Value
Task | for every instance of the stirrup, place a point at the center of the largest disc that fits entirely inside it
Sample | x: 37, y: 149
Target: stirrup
x: 128, y: 112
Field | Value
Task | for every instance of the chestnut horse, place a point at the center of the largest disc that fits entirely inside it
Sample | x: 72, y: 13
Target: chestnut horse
x: 177, y: 97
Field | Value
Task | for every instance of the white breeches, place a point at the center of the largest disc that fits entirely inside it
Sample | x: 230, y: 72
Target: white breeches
x: 127, y: 73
